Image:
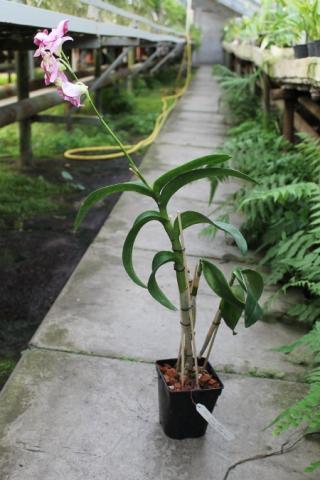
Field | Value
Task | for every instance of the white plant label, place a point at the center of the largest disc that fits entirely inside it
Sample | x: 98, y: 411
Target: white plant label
x: 213, y: 422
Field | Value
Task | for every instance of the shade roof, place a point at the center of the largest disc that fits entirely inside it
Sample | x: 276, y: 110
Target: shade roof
x: 18, y: 23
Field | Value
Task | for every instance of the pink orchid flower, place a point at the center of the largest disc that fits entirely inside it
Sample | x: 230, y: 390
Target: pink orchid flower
x: 52, y: 41
x: 51, y: 67
x: 70, y: 91
x: 49, y: 48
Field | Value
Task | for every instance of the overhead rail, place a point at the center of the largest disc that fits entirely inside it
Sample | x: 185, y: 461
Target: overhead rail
x: 101, y: 5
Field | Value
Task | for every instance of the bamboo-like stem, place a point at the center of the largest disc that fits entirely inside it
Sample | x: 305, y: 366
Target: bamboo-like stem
x: 178, y: 364
x: 183, y: 343
x: 211, y: 344
x: 194, y: 291
x: 212, y: 332
x: 190, y: 310
x: 212, y: 329
x: 186, y: 344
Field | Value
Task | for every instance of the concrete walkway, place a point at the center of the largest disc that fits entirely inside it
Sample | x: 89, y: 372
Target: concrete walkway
x: 82, y: 403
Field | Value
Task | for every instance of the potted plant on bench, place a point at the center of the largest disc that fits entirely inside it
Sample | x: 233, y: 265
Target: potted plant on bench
x: 187, y: 379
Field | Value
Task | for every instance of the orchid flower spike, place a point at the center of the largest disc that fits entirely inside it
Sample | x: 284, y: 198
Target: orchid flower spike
x: 50, y: 49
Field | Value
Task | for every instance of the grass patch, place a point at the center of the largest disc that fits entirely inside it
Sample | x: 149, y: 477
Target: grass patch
x: 22, y: 197
x: 7, y: 364
x: 132, y: 116
x: 4, y: 77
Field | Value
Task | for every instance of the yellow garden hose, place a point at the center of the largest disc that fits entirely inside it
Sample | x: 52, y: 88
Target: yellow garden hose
x: 168, y: 104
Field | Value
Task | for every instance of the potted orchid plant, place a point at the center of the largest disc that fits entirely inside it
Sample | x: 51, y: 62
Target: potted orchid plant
x: 188, y: 379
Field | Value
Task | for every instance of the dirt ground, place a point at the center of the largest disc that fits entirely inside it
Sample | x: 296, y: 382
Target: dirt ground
x: 36, y: 263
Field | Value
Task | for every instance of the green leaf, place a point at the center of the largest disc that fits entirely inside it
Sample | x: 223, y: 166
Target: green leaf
x: 103, y: 192
x: 237, y: 272
x: 218, y: 283
x: 230, y: 313
x: 214, y: 182
x: 253, y: 311
x: 235, y: 233
x: 161, y: 258
x: 314, y: 466
x: 254, y: 281
x: 186, y: 167
x: 174, y: 185
x: 127, y: 249
x: 190, y: 218
x: 252, y: 284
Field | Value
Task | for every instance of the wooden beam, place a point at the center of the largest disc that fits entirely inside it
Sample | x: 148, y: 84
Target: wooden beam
x: 174, y: 52
x: 78, y: 119
x: 6, y: 67
x: 311, y: 106
x: 145, y: 65
x: 22, y: 69
x: 302, y: 126
x: 282, y: 94
x: 99, y: 82
x: 29, y: 107
x: 87, y: 42
x: 10, y: 90
x: 119, y: 42
x: 17, y: 44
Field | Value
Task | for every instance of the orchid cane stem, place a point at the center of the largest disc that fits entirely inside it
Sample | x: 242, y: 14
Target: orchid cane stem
x: 182, y: 359
x: 213, y: 329
x: 194, y: 290
x: 211, y: 343
x: 190, y: 309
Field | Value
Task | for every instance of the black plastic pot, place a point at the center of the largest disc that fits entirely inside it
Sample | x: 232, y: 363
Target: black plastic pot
x: 314, y: 48
x: 178, y: 415
x: 300, y: 51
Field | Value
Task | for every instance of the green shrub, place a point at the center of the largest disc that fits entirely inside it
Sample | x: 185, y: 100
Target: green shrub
x: 239, y: 92
x: 116, y: 100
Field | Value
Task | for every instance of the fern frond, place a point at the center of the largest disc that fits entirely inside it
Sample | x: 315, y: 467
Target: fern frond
x: 282, y: 194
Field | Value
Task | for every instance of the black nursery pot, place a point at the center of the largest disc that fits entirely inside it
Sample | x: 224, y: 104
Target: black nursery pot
x: 300, y: 51
x: 178, y: 415
x: 314, y: 48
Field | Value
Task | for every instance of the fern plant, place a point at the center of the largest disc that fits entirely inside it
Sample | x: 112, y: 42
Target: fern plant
x: 283, y: 221
x: 306, y: 412
x: 240, y: 96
